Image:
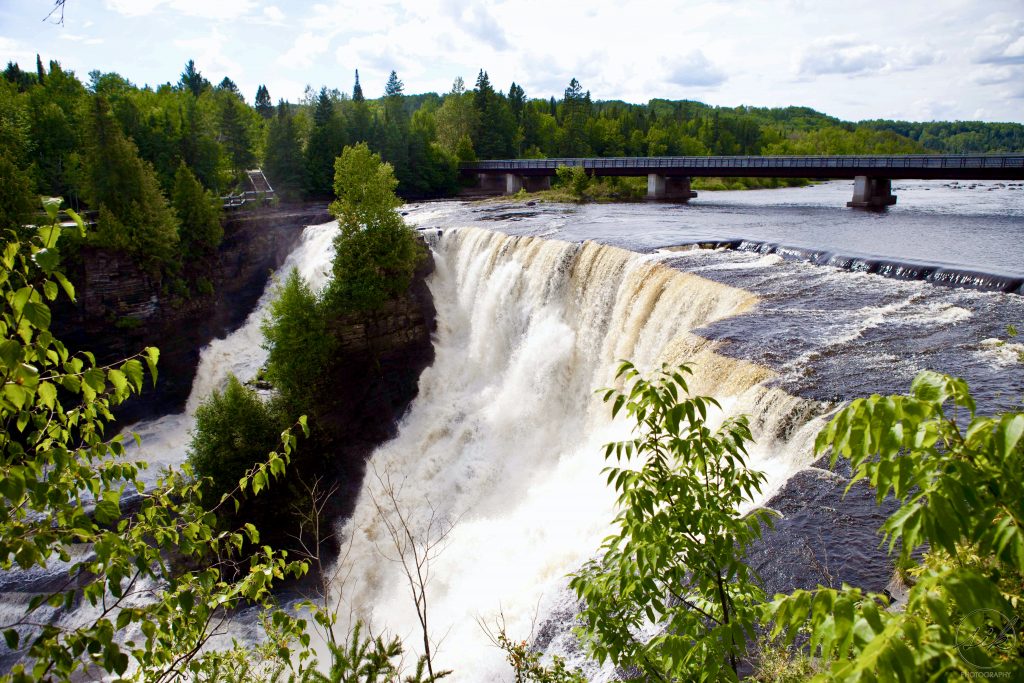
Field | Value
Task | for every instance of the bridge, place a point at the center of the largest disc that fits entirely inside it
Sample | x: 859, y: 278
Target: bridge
x: 668, y: 178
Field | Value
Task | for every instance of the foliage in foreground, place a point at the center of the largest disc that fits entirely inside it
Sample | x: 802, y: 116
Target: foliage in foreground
x: 63, y: 483
x: 959, y: 479
x: 674, y: 567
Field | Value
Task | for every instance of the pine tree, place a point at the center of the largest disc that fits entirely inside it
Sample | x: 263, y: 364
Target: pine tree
x: 495, y: 132
x: 284, y: 164
x: 394, y: 86
x: 235, y: 132
x: 264, y: 105
x: 200, y: 232
x: 229, y: 85
x: 575, y: 113
x: 394, y: 143
x: 357, y: 90
x: 133, y: 215
x: 326, y: 140
x: 192, y: 80
x: 359, y: 120
x: 40, y: 71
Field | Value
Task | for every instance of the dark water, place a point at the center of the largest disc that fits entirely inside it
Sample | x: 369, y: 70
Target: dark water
x: 832, y: 332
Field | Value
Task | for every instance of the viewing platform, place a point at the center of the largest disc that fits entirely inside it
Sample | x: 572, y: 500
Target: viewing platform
x: 668, y: 178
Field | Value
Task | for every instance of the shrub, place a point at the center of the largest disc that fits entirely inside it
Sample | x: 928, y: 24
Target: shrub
x: 299, y: 344
x: 234, y: 432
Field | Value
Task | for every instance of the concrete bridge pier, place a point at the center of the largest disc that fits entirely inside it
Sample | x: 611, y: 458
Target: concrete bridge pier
x: 666, y: 188
x: 871, y: 193
x: 511, y: 183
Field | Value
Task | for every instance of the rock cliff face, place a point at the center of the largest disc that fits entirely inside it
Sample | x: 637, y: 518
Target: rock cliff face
x: 121, y: 308
x: 376, y: 375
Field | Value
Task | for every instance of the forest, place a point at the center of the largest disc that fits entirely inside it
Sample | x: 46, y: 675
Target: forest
x: 151, y: 162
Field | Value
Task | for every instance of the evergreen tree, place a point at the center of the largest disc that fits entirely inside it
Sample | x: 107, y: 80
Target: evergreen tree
x: 394, y: 142
x: 14, y: 74
x: 235, y: 131
x: 199, y: 146
x: 229, y: 85
x: 264, y: 105
x: 192, y: 80
x: 133, y: 214
x: 200, y: 232
x: 394, y: 86
x: 359, y: 121
x: 495, y: 128
x: 326, y: 140
x: 40, y: 71
x: 575, y: 113
x: 284, y: 164
x: 357, y: 90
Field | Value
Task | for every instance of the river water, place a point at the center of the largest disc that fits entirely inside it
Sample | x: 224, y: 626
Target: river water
x: 501, y: 450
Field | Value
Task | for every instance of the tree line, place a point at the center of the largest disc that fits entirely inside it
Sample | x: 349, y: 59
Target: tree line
x: 145, y: 158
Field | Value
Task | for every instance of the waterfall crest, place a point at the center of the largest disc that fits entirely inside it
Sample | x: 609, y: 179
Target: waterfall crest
x: 503, y: 441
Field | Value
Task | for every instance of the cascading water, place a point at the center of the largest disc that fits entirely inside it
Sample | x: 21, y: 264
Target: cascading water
x: 165, y: 440
x: 503, y: 441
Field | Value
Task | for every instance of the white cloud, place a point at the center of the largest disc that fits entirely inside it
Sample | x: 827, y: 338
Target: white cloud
x: 307, y: 47
x: 851, y: 57
x: 273, y: 14
x: 204, y: 9
x: 12, y: 50
x: 209, y: 53
x: 994, y: 75
x: 694, y: 69
x: 1001, y: 45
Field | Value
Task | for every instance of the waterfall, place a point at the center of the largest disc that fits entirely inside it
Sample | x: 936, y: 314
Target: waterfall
x: 503, y: 442
x: 165, y: 439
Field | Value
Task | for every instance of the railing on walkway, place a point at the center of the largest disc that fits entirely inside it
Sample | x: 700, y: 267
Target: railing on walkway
x: 908, y: 162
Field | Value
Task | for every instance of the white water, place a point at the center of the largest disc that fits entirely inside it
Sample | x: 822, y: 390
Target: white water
x: 165, y: 440
x: 504, y: 438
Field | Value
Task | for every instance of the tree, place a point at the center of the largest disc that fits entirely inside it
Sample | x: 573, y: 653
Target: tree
x: 375, y: 252
x: 283, y: 163
x: 193, y: 81
x: 359, y: 121
x: 960, y: 490
x: 674, y: 561
x: 264, y: 105
x: 199, y: 214
x: 229, y: 85
x: 40, y: 71
x: 495, y: 129
x: 234, y: 431
x: 326, y: 140
x: 299, y: 345
x: 133, y: 214
x: 235, y: 129
x: 575, y: 112
x: 457, y: 121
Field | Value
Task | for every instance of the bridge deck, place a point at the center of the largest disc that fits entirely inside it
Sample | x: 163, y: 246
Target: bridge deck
x: 922, y: 166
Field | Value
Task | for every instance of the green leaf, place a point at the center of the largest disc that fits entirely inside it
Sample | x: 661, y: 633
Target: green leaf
x: 107, y: 511
x: 38, y: 314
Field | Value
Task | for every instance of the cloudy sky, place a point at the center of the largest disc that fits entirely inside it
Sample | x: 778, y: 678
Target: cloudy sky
x: 908, y: 59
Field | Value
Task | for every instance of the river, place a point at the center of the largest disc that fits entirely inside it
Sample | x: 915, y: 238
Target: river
x: 536, y: 304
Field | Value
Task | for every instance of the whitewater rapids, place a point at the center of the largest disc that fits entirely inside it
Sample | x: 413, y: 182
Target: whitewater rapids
x: 502, y: 446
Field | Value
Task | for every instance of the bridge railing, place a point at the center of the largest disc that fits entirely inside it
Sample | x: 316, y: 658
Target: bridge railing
x: 907, y: 161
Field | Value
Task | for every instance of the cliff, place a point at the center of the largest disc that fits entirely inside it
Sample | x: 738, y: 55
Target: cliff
x: 121, y: 309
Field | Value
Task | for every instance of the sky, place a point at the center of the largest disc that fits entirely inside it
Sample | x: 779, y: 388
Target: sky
x: 918, y: 60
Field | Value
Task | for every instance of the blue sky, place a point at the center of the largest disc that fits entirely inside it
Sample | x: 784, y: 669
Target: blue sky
x: 910, y: 59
